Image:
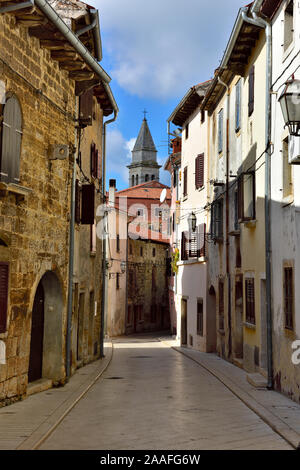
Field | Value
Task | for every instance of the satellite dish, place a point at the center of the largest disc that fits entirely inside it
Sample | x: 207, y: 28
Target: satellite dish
x: 163, y: 195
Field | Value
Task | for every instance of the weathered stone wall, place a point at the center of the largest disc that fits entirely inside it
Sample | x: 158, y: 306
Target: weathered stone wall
x: 35, y: 229
x: 147, y: 289
x: 88, y: 264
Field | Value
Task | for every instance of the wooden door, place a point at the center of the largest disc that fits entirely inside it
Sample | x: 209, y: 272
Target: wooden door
x: 37, y: 336
x: 184, y: 322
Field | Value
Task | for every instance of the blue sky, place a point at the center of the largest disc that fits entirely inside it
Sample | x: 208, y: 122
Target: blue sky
x: 154, y: 52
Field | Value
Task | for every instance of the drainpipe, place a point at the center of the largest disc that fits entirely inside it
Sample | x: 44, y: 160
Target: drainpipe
x: 227, y: 217
x: 71, y: 263
x: 103, y: 310
x: 268, y: 30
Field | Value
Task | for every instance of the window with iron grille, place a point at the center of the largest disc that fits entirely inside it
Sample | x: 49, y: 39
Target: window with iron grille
x: 250, y: 301
x: 185, y: 187
x: 221, y: 305
x: 199, y: 171
x: 251, y: 92
x: 217, y: 220
x: 246, y: 196
x: 288, y: 297
x: 200, y: 317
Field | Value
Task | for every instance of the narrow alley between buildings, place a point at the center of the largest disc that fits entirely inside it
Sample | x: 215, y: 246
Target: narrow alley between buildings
x: 151, y: 396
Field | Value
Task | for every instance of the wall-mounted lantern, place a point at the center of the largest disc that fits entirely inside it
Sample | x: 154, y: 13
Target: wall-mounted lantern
x: 290, y: 106
x: 123, y: 266
x: 192, y: 221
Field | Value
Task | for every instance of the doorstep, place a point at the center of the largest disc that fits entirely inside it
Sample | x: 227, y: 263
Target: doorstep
x: 38, y: 386
x: 238, y: 362
x: 257, y: 380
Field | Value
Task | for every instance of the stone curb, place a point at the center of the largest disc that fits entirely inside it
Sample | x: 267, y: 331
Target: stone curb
x: 275, y: 423
x: 36, y: 439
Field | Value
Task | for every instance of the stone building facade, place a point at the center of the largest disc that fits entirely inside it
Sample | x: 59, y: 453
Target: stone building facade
x: 39, y: 88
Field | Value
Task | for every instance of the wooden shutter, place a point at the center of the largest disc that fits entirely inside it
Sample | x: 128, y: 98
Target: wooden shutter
x: 251, y: 91
x: 193, y: 244
x: 4, y: 271
x: 87, y: 204
x: 184, y: 255
x: 199, y: 171
x: 201, y: 240
x: 93, y: 159
x: 77, y: 202
x: 250, y: 301
x: 11, y: 141
x: 86, y: 107
x: 185, y: 181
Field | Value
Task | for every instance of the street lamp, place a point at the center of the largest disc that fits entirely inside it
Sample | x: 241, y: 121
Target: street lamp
x: 290, y: 106
x: 192, y: 221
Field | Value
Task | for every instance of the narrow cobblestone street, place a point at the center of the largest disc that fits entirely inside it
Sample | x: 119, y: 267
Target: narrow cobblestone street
x: 152, y: 397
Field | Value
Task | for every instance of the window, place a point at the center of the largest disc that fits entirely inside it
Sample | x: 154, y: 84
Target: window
x: 141, y: 251
x: 174, y: 178
x: 118, y: 243
x: 132, y: 180
x: 202, y: 115
x: 153, y: 177
x: 118, y: 281
x: 185, y: 181
x: 193, y: 246
x: 187, y: 131
x: 288, y: 288
x: 4, y: 272
x: 217, y: 220
x: 153, y: 252
x: 200, y: 317
x: 251, y: 92
x: 199, y: 171
x: 11, y: 141
x: 87, y: 204
x: 137, y: 180
x: 221, y: 305
x: 287, y: 179
x: 220, y: 131
x: 288, y: 25
x: 184, y: 249
x: 250, y: 301
x: 140, y: 212
x: 86, y: 107
x: 95, y: 162
x: 246, y: 197
x: 147, y: 178
x: 77, y: 202
x: 238, y: 106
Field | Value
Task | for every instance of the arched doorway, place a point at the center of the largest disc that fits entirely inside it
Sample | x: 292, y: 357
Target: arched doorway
x: 46, y: 360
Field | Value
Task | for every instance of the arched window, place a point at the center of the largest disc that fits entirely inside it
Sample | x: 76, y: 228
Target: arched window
x: 137, y: 180
x: 147, y: 178
x: 11, y: 141
x: 153, y: 177
x: 132, y: 180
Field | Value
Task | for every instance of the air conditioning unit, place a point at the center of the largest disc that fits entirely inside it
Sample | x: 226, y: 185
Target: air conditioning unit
x: 58, y: 152
x: 294, y: 150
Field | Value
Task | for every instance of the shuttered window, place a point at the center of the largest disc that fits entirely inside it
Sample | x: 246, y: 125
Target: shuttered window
x: 250, y: 301
x: 11, y: 141
x: 184, y: 250
x: 200, y: 317
x: 196, y: 243
x: 288, y: 297
x: 77, y: 202
x: 246, y: 196
x: 185, y: 181
x: 199, y: 171
x: 251, y: 91
x: 86, y: 108
x: 217, y: 220
x: 4, y: 271
x: 87, y: 204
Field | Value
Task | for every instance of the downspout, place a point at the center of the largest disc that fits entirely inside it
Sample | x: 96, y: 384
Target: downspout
x: 268, y: 30
x: 103, y: 312
x: 227, y: 217
x: 71, y: 263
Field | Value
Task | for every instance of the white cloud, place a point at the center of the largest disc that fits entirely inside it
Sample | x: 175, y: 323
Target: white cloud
x: 118, y: 154
x: 162, y: 47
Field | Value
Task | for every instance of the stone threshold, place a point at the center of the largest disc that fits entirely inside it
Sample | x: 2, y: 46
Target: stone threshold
x: 38, y: 386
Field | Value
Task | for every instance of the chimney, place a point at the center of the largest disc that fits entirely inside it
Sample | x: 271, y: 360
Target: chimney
x: 111, y: 193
